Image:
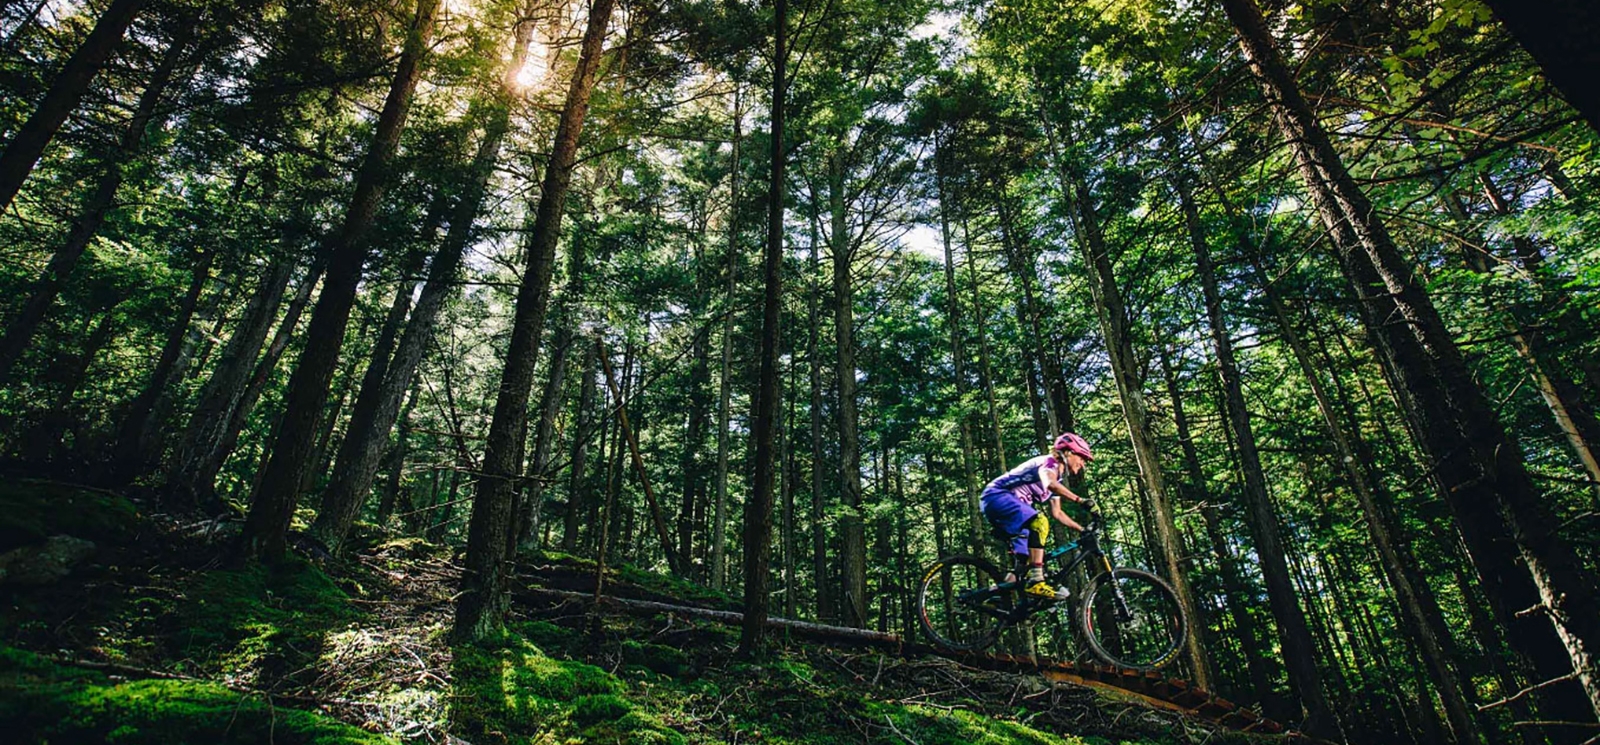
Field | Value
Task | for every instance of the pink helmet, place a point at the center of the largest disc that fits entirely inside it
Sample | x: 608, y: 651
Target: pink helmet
x: 1074, y: 444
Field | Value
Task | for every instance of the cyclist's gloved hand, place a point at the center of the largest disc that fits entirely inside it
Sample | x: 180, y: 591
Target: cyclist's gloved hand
x: 1089, y: 504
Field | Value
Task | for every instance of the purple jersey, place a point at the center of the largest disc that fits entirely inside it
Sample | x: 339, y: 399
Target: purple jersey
x: 1023, y: 481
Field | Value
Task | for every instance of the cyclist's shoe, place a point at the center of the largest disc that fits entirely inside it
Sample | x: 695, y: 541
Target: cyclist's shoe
x: 1042, y: 589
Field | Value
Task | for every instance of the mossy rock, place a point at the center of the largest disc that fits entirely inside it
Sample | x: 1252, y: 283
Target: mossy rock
x: 31, y: 511
x: 512, y: 688
x: 42, y: 702
x: 665, y: 660
x: 550, y: 637
x: 244, y: 615
x: 634, y: 728
x: 600, y: 708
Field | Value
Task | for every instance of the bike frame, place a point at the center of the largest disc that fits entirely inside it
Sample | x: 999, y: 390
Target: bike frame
x: 1085, y: 548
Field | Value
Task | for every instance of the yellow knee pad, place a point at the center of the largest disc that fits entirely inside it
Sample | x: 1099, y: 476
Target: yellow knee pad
x: 1038, y: 530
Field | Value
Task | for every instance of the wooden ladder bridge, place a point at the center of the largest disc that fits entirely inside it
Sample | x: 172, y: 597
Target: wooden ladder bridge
x: 1151, y: 688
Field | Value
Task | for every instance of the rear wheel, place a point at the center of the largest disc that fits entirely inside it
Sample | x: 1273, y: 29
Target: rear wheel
x: 1132, y: 619
x: 960, y: 604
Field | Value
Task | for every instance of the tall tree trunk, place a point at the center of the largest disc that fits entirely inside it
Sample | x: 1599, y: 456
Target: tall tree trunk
x: 375, y: 412
x: 233, y: 426
x: 699, y: 377
x: 196, y: 460
x: 1560, y: 394
x: 1560, y: 35
x: 791, y: 586
x: 819, y: 532
x: 272, y: 506
x: 27, y: 145
x: 396, y: 460
x: 529, y: 504
x: 23, y: 152
x: 1481, y: 471
x: 1238, y: 606
x: 1125, y: 369
x: 482, y: 604
x: 764, y: 422
x: 985, y: 371
x: 853, y: 548
x: 1425, y: 630
x: 976, y: 530
x: 337, y: 501
x: 656, y: 517
x: 719, y: 520
x: 132, y: 452
x: 580, y: 449
x: 1261, y: 516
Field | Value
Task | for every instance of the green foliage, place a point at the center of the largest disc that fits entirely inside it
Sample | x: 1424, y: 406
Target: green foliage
x: 41, y: 702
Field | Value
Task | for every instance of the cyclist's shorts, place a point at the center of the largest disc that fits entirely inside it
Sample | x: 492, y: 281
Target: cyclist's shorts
x: 1004, y: 511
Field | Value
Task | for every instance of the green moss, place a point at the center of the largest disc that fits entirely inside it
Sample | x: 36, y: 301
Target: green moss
x: 31, y: 511
x: 599, y: 708
x: 513, y: 689
x: 634, y: 728
x: 657, y: 658
x: 42, y: 702
x: 549, y: 636
x: 261, y: 619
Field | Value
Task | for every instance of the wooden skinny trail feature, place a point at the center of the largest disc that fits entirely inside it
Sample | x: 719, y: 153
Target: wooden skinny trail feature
x: 1151, y: 687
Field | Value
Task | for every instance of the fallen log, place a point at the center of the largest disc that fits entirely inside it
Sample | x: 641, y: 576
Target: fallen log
x: 804, y: 628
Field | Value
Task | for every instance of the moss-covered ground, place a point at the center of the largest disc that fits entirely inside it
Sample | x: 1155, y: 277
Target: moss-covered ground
x: 357, y: 652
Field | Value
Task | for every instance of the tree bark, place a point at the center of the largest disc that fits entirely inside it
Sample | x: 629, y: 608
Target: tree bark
x: 1262, y: 518
x: 482, y: 604
x: 1560, y: 35
x: 1238, y: 606
x: 764, y: 424
x: 819, y: 532
x: 375, y: 412
x: 27, y: 145
x: 1480, y: 469
x: 132, y: 452
x: 1125, y: 370
x: 196, y: 460
x: 853, y: 545
x: 272, y: 506
x: 719, y: 520
x: 20, y: 330
x: 975, y: 530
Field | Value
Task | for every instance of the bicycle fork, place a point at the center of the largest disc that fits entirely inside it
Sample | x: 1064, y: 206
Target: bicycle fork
x: 1124, y: 614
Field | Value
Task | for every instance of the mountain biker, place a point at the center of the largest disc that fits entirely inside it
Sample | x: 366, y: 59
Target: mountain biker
x: 1011, y: 504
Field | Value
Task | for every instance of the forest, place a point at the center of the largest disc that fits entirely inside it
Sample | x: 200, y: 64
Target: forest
x: 339, y: 338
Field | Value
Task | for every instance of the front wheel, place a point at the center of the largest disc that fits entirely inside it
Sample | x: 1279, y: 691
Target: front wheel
x: 1132, y: 619
x: 961, y: 605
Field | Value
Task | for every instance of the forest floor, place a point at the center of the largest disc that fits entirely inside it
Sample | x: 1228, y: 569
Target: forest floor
x: 155, y: 639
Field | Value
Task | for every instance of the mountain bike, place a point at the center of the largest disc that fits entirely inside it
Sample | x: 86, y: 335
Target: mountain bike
x: 1129, y: 617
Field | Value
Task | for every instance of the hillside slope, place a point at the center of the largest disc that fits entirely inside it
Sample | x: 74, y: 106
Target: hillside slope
x: 154, y: 639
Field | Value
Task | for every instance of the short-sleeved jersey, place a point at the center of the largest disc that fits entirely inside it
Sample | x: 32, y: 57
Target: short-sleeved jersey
x: 1023, y: 481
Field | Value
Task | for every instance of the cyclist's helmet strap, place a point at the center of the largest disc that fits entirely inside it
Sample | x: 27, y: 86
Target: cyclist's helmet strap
x: 1072, y: 443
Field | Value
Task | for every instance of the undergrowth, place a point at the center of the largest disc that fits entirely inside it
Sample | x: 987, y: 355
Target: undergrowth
x: 367, y: 637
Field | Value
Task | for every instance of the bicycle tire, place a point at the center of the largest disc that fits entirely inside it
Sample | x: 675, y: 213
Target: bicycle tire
x: 1146, y: 637
x: 951, y: 615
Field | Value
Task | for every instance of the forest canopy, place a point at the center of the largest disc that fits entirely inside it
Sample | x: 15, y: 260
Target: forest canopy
x: 759, y: 294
